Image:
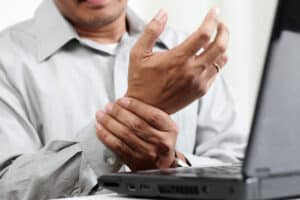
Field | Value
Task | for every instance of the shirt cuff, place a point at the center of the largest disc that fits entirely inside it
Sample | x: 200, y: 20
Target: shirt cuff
x: 200, y: 161
x: 99, y: 157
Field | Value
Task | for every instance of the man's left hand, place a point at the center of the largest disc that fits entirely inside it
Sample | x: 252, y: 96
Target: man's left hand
x: 143, y: 137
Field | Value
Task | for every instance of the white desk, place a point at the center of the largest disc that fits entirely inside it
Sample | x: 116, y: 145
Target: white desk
x: 111, y: 197
x: 104, y: 197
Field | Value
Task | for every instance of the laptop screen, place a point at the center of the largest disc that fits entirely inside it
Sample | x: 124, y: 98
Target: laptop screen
x: 275, y: 136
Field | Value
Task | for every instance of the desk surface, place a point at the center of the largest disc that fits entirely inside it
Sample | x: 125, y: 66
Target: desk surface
x: 113, y: 196
x: 104, y: 197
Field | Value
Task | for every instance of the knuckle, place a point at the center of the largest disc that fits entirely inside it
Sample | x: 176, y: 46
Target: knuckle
x: 125, y: 134
x: 151, y: 30
x: 225, y: 59
x: 102, y: 136
x: 221, y: 47
x: 174, y: 129
x: 102, y: 120
x: 156, y: 116
x: 204, y: 35
x: 138, y: 125
x: 106, y: 121
x: 99, y: 116
x: 152, y: 155
x: 178, y: 57
x: 116, y: 110
x: 154, y: 136
x: 132, y: 102
x: 166, y: 148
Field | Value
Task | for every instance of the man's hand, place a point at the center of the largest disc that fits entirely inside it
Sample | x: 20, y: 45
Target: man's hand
x: 143, y: 137
x: 171, y: 80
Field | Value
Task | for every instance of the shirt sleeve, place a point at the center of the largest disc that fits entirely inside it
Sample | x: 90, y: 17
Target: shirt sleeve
x: 221, y: 135
x: 31, y: 170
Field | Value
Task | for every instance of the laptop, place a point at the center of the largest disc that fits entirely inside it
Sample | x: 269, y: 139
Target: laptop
x: 271, y: 169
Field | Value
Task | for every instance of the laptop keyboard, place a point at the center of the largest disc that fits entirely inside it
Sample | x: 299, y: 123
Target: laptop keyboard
x: 218, y: 171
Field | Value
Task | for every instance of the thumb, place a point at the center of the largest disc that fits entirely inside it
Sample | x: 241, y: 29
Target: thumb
x: 152, y: 32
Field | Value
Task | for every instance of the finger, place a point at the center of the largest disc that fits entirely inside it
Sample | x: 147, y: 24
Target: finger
x: 126, y: 135
x: 115, y: 144
x: 207, y: 45
x: 217, y: 66
x: 221, y: 61
x: 218, y: 48
x: 151, y: 115
x: 210, y: 73
x: 204, y: 48
x: 151, y: 33
x: 141, y: 128
x: 202, y: 36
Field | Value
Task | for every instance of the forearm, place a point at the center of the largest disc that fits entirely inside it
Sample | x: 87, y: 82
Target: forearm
x: 60, y: 169
x: 45, y: 174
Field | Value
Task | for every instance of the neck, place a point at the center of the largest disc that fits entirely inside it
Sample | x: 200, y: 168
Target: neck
x: 110, y: 33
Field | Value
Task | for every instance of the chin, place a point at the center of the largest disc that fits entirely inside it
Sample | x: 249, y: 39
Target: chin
x: 103, y: 16
x: 96, y: 19
x: 91, y: 13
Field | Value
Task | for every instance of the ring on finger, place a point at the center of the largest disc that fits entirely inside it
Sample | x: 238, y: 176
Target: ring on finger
x: 217, y: 66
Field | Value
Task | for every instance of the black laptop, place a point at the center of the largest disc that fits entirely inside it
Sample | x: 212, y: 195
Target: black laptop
x: 272, y: 163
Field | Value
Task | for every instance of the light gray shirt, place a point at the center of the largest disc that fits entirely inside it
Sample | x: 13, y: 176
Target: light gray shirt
x: 52, y: 82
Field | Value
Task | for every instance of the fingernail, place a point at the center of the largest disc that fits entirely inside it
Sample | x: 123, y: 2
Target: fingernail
x: 125, y: 102
x: 160, y: 15
x: 217, y: 11
x: 100, y: 115
x: 98, y: 126
x: 109, y: 107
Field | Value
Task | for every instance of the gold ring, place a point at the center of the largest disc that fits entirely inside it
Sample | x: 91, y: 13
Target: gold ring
x: 217, y: 66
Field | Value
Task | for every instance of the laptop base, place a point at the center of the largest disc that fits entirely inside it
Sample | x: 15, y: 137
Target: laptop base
x: 190, y: 187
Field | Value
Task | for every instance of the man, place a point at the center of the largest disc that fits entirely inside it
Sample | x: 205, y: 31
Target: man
x: 64, y: 67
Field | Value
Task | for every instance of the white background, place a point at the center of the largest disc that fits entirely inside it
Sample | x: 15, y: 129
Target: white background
x: 249, y: 22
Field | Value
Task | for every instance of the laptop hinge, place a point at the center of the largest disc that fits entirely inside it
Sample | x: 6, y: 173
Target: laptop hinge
x: 262, y: 172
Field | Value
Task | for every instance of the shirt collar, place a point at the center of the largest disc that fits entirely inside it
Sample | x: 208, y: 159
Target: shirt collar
x: 54, y: 31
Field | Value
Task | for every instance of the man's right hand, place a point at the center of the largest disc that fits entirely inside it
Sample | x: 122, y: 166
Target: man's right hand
x: 172, y: 79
